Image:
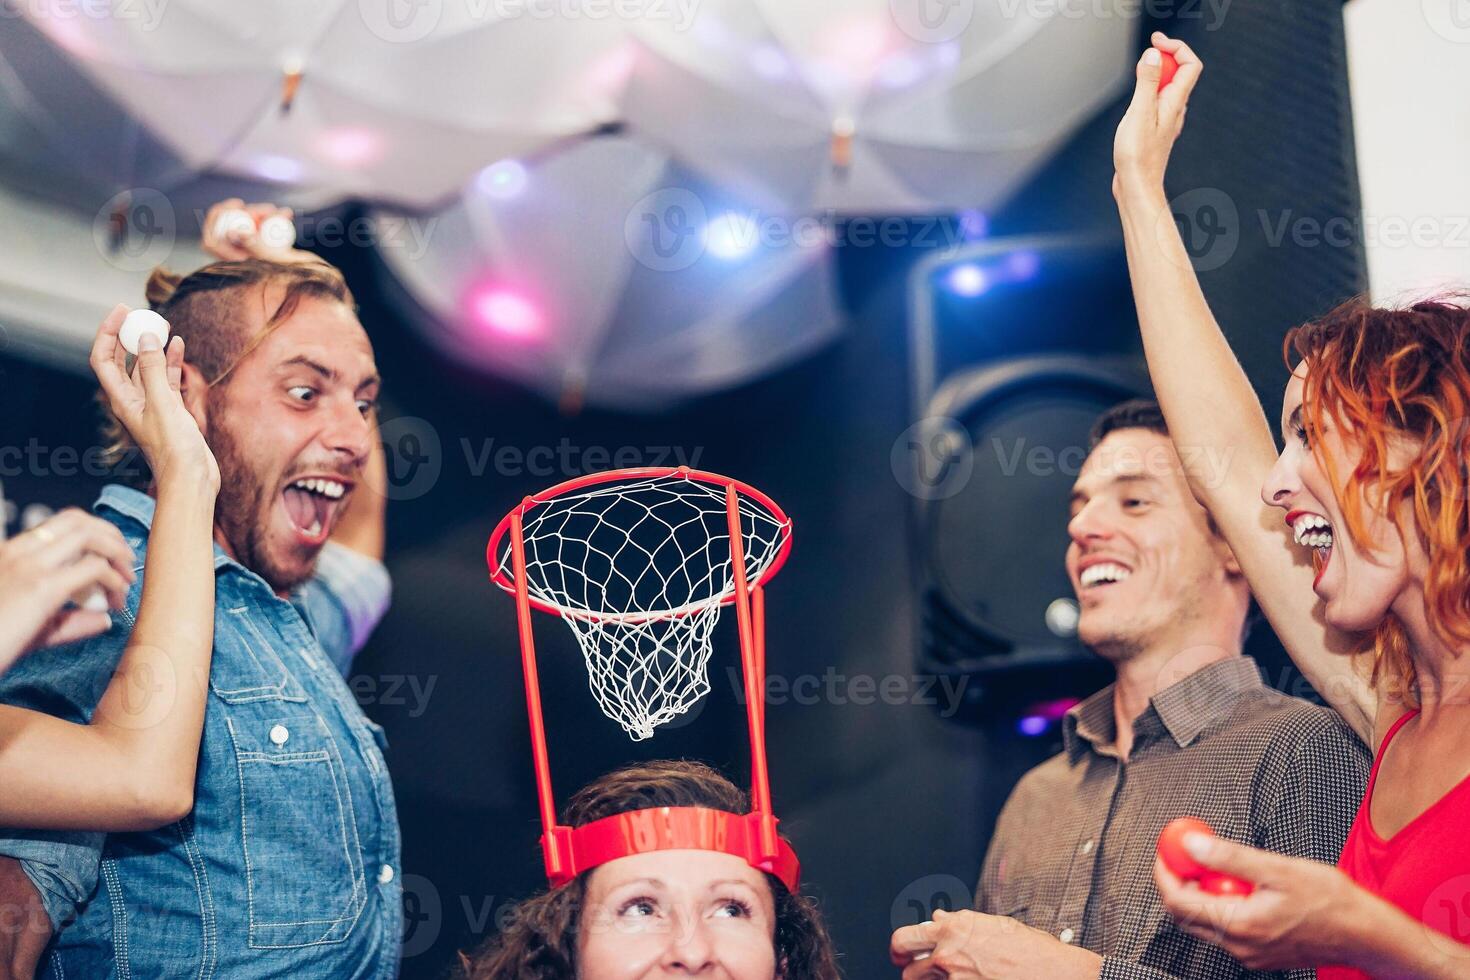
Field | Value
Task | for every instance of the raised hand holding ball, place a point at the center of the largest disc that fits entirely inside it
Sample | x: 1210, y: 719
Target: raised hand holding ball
x: 138, y: 323
x: 234, y: 225
x: 277, y: 231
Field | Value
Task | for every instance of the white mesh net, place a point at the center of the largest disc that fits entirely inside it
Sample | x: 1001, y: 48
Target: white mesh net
x: 639, y: 569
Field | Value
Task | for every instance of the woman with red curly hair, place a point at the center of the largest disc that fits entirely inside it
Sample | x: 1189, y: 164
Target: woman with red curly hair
x: 1372, y: 599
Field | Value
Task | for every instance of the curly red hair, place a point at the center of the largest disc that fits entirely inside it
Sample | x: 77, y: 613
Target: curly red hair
x: 1388, y: 377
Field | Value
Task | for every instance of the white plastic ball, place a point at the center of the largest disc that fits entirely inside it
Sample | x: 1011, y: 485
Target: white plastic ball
x: 91, y: 599
x: 234, y: 223
x: 277, y: 231
x: 139, y: 322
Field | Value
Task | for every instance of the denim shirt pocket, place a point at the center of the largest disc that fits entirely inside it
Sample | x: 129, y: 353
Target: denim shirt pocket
x: 304, y: 878
x: 246, y: 668
x: 304, y: 881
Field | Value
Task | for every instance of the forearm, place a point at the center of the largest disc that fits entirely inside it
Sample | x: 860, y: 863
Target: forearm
x: 1227, y: 449
x: 133, y: 767
x: 168, y: 654
x: 1212, y: 410
x: 1387, y: 944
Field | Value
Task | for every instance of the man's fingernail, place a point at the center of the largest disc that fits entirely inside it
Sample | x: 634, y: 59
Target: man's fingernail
x: 1151, y: 56
x: 148, y: 341
x: 1198, y: 846
x: 940, y: 912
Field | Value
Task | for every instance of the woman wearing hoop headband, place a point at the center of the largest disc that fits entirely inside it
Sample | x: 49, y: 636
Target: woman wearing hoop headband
x: 1373, y: 603
x: 661, y: 868
x: 678, y: 911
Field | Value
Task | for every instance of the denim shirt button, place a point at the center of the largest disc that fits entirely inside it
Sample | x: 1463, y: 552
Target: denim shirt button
x: 385, y: 874
x: 280, y: 734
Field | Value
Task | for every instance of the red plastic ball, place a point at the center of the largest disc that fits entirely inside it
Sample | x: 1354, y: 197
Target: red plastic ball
x: 1177, y: 859
x: 1171, y: 847
x: 1220, y: 884
x: 1167, y: 67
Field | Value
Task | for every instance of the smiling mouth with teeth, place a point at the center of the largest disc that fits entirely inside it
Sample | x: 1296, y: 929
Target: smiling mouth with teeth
x: 1313, y: 531
x: 1103, y: 573
x: 313, y: 504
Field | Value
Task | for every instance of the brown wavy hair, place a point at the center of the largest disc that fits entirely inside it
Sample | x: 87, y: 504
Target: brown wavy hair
x: 540, y: 942
x: 203, y: 308
x: 1386, y: 376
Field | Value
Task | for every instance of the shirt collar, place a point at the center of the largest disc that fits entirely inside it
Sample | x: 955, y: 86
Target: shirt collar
x: 1205, y: 697
x: 138, y: 506
x: 1090, y: 723
x: 128, y: 502
x: 1186, y: 708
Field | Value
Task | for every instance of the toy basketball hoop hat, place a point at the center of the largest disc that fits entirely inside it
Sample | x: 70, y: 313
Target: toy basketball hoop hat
x: 639, y: 563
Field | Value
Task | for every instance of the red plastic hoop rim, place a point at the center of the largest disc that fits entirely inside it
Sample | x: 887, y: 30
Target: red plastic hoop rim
x: 742, y: 488
x: 672, y: 828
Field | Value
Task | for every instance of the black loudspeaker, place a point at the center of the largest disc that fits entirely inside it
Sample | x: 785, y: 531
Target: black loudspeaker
x: 996, y: 449
x: 1002, y: 448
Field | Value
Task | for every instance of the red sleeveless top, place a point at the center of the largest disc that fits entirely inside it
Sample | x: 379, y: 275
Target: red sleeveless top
x: 1424, y: 869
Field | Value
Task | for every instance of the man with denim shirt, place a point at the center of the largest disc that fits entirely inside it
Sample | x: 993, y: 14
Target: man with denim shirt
x: 288, y: 864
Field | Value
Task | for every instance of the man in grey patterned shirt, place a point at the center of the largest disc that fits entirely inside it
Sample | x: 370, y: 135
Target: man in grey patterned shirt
x: 1187, y: 729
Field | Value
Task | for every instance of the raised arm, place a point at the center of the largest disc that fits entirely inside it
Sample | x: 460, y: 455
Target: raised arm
x: 227, y: 241
x: 1212, y: 412
x: 133, y: 766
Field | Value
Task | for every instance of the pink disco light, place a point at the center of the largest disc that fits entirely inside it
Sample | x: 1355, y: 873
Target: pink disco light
x: 506, y: 312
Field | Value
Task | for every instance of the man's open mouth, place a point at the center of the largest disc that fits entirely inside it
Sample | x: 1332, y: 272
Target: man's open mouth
x: 1102, y: 574
x: 313, y: 505
x: 1313, y: 531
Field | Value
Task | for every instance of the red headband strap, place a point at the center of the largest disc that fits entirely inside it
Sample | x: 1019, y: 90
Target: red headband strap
x: 573, y: 850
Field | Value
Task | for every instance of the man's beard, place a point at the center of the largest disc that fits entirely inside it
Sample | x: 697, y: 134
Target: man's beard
x: 1118, y: 648
x: 242, y: 512
x: 1118, y: 643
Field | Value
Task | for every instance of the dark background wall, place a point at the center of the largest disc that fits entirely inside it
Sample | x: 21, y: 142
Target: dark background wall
x: 889, y: 802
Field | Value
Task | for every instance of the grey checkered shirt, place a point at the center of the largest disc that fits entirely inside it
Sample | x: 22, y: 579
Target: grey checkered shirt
x: 1073, y: 851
